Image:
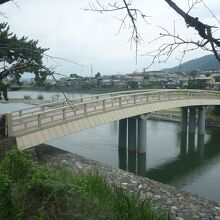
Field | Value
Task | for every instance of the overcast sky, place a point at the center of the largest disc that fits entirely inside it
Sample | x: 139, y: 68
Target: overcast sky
x: 91, y: 38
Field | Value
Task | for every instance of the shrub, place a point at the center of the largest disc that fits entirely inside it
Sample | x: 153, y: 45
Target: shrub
x: 32, y: 191
x: 40, y: 97
x: 27, y: 97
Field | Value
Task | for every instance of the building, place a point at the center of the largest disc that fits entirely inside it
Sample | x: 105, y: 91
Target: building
x: 205, y: 82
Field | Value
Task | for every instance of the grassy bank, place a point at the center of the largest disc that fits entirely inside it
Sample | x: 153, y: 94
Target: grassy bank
x: 32, y: 191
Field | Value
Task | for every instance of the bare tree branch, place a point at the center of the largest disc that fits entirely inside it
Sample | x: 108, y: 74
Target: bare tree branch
x: 130, y: 13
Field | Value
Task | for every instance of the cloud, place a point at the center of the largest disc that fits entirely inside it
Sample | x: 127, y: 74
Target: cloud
x: 90, y: 38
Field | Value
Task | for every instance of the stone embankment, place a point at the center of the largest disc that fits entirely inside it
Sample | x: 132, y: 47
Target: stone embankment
x: 181, y: 205
x: 170, y: 117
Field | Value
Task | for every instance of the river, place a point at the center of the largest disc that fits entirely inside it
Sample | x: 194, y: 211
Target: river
x: 170, y: 158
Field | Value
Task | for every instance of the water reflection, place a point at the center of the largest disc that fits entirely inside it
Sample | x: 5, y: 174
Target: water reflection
x: 122, y: 157
x: 141, y: 164
x: 187, y: 161
x: 194, y: 158
x: 132, y: 161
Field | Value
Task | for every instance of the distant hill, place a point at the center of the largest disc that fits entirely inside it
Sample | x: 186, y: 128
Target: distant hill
x: 202, y: 63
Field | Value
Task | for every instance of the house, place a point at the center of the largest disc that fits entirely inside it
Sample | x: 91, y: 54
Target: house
x: 205, y: 82
x: 171, y: 84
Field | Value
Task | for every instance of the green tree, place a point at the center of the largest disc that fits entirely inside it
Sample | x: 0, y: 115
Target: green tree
x: 98, y: 79
x: 74, y: 75
x: 193, y: 73
x: 18, y: 56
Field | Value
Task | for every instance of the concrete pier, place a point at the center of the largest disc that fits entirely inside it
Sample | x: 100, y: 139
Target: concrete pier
x: 132, y: 134
x: 201, y: 146
x: 191, y: 143
x: 122, y: 136
x: 201, y: 120
x: 192, y: 120
x: 142, y: 132
x: 183, y: 144
x: 122, y: 158
x: 141, y: 164
x: 184, y: 119
x: 132, y: 160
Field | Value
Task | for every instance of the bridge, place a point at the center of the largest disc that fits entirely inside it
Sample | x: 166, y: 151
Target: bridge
x: 39, y: 124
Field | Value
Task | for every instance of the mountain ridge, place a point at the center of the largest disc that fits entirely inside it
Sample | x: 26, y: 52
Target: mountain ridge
x: 201, y: 63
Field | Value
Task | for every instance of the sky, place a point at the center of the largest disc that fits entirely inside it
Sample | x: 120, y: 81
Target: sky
x: 92, y: 39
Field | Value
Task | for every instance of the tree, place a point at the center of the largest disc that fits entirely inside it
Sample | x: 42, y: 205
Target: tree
x: 75, y: 76
x: 18, y: 56
x: 98, y: 79
x: 193, y: 73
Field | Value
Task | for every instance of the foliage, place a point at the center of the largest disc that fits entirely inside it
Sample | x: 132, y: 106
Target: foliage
x: 132, y: 84
x: 192, y: 84
x: 27, y: 97
x: 40, y: 97
x: 32, y: 191
x: 217, y: 79
x: 88, y: 86
x: 193, y: 73
x: 75, y: 76
x: 19, y: 55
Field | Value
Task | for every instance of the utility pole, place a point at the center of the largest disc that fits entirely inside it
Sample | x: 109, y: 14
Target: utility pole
x: 91, y: 71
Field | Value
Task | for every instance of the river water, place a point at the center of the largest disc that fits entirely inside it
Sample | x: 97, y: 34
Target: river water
x: 189, y: 163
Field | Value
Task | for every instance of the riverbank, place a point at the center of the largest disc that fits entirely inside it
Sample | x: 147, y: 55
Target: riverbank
x: 29, y: 190
x: 213, y: 121
x: 72, y: 90
x: 181, y: 205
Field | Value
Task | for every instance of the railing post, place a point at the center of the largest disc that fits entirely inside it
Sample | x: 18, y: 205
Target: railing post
x: 158, y: 96
x: 8, y: 124
x: 178, y: 94
x: 147, y: 98
x: 64, y: 113
x: 85, y: 109
x: 20, y: 113
x: 103, y: 104
x: 169, y: 95
x: 134, y: 99
x: 119, y: 101
x: 39, y: 120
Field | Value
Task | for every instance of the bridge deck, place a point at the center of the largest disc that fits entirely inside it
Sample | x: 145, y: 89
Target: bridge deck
x: 36, y: 125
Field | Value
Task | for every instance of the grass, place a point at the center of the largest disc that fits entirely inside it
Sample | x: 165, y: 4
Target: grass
x: 37, y: 192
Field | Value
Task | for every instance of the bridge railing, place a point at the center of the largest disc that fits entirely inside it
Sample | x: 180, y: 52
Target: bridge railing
x: 43, y: 107
x: 51, y: 117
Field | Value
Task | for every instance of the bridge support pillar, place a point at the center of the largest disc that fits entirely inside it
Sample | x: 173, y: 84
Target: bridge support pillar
x: 201, y: 144
x: 192, y: 120
x: 122, y: 136
x: 142, y: 132
x: 141, y: 164
x: 201, y: 120
x: 132, y: 133
x: 122, y: 158
x: 184, y: 119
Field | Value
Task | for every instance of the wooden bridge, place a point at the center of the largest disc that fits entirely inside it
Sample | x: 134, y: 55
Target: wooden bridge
x: 39, y: 124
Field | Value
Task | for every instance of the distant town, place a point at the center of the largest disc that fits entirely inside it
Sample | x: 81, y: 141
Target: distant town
x: 205, y: 79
